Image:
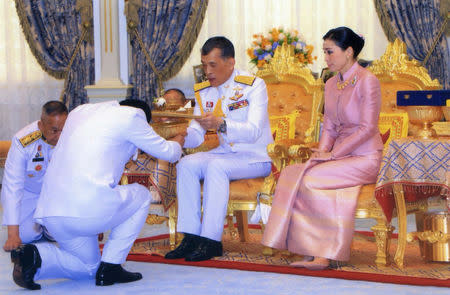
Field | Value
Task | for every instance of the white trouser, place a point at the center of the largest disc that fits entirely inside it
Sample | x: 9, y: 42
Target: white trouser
x: 78, y: 254
x: 29, y: 230
x: 216, y: 170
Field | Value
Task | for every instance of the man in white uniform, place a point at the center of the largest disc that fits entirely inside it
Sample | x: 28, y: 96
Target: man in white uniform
x: 81, y: 198
x: 27, y: 161
x: 234, y: 104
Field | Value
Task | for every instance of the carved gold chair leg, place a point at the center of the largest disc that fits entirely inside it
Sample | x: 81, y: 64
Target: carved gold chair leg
x: 231, y: 229
x: 173, y: 225
x: 242, y: 225
x: 401, y: 216
x: 382, y: 231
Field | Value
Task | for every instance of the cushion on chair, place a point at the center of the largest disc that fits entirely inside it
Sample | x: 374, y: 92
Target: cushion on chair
x: 283, y: 126
x: 245, y: 189
x: 284, y: 96
x: 393, y: 125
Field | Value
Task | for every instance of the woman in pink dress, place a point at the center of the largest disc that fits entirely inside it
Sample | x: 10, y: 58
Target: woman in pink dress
x: 314, y: 203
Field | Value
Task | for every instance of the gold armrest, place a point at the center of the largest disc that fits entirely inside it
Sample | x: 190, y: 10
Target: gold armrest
x: 301, y: 153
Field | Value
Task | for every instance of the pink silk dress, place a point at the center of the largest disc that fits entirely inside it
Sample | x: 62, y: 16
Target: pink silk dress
x: 314, y: 203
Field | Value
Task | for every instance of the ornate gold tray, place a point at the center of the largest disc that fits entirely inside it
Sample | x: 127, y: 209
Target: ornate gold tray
x: 442, y: 128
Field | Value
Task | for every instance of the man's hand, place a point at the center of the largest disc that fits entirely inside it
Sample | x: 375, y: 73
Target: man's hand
x: 208, y: 121
x: 13, y: 240
x: 179, y: 138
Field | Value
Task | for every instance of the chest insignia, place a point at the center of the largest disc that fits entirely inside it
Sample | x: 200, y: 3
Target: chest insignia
x: 237, y: 105
x: 38, y: 167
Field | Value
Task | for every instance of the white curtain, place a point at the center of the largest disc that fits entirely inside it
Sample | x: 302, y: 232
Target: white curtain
x: 238, y: 20
x: 24, y: 86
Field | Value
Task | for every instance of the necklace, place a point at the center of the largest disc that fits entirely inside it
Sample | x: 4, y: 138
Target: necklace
x: 342, y: 84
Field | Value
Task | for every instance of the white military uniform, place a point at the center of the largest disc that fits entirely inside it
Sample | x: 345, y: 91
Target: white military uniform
x: 25, y: 167
x: 80, y: 195
x: 242, y: 153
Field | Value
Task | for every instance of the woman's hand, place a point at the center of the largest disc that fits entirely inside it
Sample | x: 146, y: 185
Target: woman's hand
x: 321, y: 156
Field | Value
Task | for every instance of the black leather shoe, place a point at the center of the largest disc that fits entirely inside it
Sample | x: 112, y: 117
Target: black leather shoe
x: 109, y: 273
x: 26, y: 261
x: 187, y: 246
x: 207, y: 249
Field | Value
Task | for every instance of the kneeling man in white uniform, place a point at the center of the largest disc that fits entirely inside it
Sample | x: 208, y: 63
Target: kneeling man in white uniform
x: 234, y: 104
x: 81, y: 198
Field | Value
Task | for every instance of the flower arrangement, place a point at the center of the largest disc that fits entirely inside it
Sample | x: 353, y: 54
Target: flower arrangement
x: 263, y: 47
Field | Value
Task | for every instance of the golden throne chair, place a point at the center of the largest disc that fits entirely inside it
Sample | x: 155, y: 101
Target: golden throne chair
x: 395, y: 71
x: 4, y: 148
x: 295, y: 103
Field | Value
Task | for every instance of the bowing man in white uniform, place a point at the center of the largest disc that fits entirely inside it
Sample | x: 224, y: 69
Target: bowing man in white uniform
x: 81, y: 198
x: 235, y: 104
x: 26, y: 164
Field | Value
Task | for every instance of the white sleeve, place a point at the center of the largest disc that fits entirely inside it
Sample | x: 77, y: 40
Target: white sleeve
x: 142, y: 135
x: 13, y: 183
x: 195, y: 132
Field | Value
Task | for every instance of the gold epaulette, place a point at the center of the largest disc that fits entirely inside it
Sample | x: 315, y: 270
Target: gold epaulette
x: 201, y: 85
x: 30, y: 138
x: 247, y: 80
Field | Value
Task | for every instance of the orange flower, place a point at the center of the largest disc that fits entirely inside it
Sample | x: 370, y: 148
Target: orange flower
x: 251, y: 53
x: 261, y: 63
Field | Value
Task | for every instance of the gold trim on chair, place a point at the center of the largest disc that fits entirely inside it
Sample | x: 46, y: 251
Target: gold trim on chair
x: 396, y: 65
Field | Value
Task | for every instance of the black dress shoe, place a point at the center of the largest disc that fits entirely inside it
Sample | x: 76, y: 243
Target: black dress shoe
x: 26, y: 261
x: 109, y: 273
x: 207, y: 249
x: 187, y: 246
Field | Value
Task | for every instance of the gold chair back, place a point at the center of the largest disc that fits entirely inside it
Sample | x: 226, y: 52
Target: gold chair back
x: 292, y: 89
x: 396, y: 71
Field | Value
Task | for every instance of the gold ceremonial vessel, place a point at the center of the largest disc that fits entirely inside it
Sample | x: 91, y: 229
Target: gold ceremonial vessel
x: 169, y: 129
x: 168, y: 121
x: 446, y: 111
x: 435, y: 238
x: 424, y: 116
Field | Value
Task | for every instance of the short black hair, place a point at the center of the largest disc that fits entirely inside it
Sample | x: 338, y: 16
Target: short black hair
x: 220, y: 42
x: 345, y: 38
x: 54, y: 108
x: 140, y: 104
x: 176, y: 90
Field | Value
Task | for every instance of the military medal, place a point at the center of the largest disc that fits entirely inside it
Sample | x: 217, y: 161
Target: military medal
x: 237, y: 105
x: 38, y: 157
x: 38, y: 168
x: 237, y: 95
x: 209, y: 106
